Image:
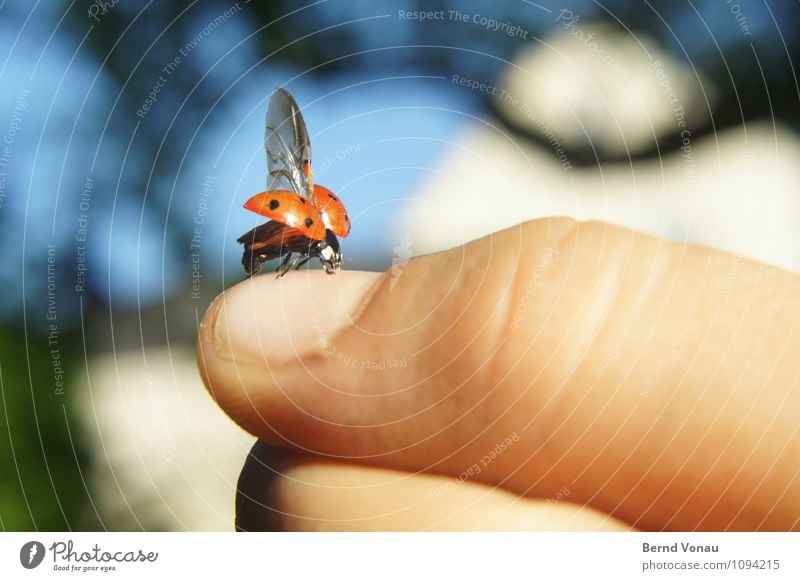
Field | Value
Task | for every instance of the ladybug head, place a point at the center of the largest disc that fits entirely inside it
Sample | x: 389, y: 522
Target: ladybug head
x: 329, y: 253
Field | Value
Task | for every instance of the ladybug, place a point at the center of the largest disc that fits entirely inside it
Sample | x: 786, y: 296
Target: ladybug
x: 305, y: 218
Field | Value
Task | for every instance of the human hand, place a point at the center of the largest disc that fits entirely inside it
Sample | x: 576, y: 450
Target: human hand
x: 553, y: 375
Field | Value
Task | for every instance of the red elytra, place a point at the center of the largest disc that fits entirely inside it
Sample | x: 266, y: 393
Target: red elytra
x: 332, y: 210
x: 290, y: 209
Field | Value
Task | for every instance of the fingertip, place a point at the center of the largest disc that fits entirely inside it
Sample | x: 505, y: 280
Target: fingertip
x: 278, y: 320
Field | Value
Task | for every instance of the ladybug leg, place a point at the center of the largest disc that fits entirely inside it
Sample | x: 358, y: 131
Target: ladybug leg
x: 283, y: 268
x: 295, y: 263
x: 302, y: 262
x: 283, y: 262
x: 252, y: 262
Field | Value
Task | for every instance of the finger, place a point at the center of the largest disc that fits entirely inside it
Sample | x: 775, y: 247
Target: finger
x: 284, y: 491
x: 656, y: 382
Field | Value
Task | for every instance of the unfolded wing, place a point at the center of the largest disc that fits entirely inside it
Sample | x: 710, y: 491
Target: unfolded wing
x: 288, y: 146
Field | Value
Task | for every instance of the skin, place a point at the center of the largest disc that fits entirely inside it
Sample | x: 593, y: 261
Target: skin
x: 627, y: 382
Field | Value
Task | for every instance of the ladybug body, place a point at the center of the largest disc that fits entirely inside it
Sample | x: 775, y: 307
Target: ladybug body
x: 305, y: 218
x: 275, y: 239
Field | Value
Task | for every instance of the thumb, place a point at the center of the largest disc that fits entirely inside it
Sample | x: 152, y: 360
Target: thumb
x: 547, y: 357
x: 362, y: 365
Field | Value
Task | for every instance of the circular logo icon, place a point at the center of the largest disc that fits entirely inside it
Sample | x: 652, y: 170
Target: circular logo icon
x: 31, y: 554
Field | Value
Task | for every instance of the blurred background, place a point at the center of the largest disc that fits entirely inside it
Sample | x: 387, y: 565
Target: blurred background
x: 131, y: 134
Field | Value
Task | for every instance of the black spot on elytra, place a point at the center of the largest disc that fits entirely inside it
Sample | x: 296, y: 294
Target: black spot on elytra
x: 346, y: 218
x: 309, y: 222
x: 273, y: 204
x: 302, y: 200
x: 331, y: 196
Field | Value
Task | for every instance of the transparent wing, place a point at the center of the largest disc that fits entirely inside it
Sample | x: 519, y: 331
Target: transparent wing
x: 288, y: 146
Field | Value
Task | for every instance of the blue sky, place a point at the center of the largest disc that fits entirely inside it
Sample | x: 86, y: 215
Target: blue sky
x: 375, y: 136
x: 373, y: 139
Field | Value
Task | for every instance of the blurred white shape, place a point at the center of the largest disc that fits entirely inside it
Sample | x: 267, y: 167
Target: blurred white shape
x: 588, y: 88
x: 166, y: 457
x: 735, y: 191
x: 402, y: 254
x: 598, y: 87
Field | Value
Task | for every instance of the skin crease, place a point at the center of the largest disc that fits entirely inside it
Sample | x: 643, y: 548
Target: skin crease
x: 655, y: 382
